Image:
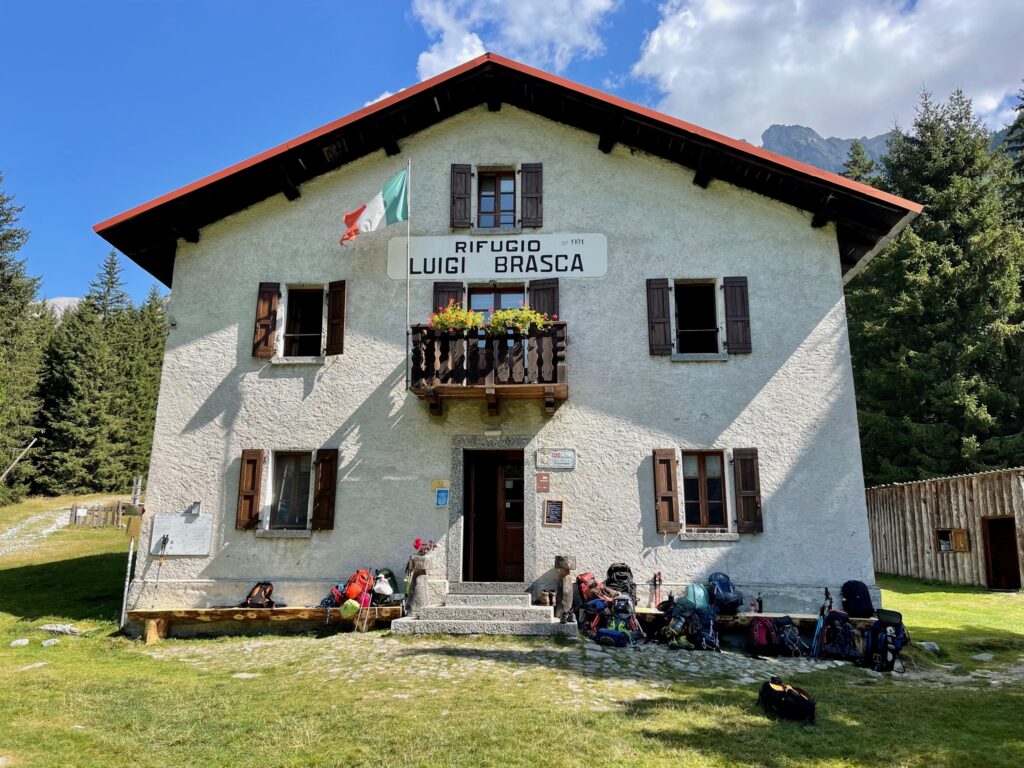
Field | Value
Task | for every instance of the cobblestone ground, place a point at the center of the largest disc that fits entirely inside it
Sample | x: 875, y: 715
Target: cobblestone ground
x: 587, y: 674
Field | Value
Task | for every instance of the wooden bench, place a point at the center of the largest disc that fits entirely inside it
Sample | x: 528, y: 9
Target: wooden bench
x: 157, y: 623
x: 805, y: 622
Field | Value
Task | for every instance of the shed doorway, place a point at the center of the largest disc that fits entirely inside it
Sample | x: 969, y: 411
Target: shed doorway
x: 1002, y: 565
x: 493, y: 525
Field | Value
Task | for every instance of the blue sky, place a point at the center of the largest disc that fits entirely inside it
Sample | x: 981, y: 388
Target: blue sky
x: 109, y: 104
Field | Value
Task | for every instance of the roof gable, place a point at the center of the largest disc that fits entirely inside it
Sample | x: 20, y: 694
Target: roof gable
x: 866, y: 218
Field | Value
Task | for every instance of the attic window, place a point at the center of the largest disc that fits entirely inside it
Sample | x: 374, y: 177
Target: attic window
x: 496, y: 202
x: 304, y: 327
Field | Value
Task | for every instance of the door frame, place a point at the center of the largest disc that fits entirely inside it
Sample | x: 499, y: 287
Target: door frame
x: 989, y: 576
x: 492, y: 460
x: 456, y: 505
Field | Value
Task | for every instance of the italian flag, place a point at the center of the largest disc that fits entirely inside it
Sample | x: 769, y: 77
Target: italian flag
x: 388, y: 206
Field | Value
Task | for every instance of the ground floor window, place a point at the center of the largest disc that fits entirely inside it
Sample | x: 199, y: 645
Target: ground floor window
x: 704, y: 490
x: 292, y: 476
x: 951, y: 539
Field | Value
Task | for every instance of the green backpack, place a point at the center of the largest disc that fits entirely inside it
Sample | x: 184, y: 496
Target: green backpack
x: 698, y: 595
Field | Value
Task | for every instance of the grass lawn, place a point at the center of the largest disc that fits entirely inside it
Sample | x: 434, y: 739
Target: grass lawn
x: 13, y: 514
x: 373, y: 700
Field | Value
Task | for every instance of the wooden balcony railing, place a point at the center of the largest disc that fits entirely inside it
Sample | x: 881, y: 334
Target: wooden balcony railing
x: 472, y: 364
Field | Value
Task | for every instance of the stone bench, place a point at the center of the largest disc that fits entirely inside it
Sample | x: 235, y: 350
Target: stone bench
x: 157, y: 623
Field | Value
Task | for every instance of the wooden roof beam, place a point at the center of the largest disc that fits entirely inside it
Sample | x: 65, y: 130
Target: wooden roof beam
x: 825, y: 213
x: 702, y: 173
x: 290, y: 188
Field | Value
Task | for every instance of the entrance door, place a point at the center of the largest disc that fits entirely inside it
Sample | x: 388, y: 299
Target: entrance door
x: 493, y: 524
x: 1001, y: 561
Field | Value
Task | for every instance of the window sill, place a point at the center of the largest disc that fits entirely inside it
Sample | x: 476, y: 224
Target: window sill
x: 704, y: 357
x: 283, y: 533
x: 708, y: 536
x: 310, y: 360
x: 495, y: 230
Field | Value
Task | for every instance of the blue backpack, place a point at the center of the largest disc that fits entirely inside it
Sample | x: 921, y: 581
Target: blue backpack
x: 704, y: 634
x: 884, y: 641
x: 725, y: 598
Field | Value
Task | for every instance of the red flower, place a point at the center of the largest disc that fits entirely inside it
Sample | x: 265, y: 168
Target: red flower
x: 418, y: 543
x: 554, y: 317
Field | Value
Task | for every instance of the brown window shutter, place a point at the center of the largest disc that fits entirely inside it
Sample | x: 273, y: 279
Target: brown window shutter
x: 666, y: 490
x: 462, y: 191
x: 659, y: 329
x: 544, y: 296
x: 960, y: 540
x: 748, y: 490
x: 250, y: 480
x: 326, y: 479
x: 445, y: 292
x: 737, y: 316
x: 336, y: 317
x: 266, y: 320
x: 532, y: 180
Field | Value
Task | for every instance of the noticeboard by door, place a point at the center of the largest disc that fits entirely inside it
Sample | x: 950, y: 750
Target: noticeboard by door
x: 554, y: 512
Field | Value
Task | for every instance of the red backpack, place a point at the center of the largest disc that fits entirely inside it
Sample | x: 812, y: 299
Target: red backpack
x: 359, y: 582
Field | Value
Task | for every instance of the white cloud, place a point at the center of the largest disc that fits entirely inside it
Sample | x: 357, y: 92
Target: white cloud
x: 383, y: 96
x: 843, y: 68
x: 545, y: 33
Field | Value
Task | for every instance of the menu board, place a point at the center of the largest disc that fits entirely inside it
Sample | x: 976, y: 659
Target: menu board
x: 554, y: 511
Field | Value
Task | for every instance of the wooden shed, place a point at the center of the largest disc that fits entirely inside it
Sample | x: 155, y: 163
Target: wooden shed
x: 966, y: 529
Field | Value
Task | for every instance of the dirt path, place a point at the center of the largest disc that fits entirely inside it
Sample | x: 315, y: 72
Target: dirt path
x: 28, y: 532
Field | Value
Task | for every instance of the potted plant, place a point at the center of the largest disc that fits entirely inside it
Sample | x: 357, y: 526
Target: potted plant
x: 516, y: 320
x: 455, y: 318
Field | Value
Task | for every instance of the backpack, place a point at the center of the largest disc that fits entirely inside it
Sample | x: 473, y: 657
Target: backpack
x: 592, y: 589
x: 837, y: 637
x: 884, y: 641
x: 359, y: 582
x: 698, y: 595
x: 680, y: 623
x: 761, y: 637
x: 703, y: 633
x: 349, y: 609
x: 620, y: 578
x: 591, y: 615
x: 389, y: 579
x: 725, y: 598
x: 857, y: 600
x: 786, y: 701
x: 789, y: 642
x: 259, y: 596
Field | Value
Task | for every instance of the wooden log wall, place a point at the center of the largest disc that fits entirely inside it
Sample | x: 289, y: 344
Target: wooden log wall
x: 903, y: 519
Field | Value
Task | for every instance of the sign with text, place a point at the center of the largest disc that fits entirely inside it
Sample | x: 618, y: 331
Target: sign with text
x: 556, y: 458
x: 554, y: 511
x: 497, y: 257
x: 543, y: 482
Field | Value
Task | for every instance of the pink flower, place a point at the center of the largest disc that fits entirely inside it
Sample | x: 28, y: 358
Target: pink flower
x: 418, y: 543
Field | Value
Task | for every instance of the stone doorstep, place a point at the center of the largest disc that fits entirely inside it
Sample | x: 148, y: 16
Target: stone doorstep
x: 487, y: 612
x: 487, y: 587
x: 509, y: 601
x: 410, y: 626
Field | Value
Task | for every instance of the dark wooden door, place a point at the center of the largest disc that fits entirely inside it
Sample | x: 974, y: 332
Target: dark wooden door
x: 1001, y: 560
x: 493, y: 508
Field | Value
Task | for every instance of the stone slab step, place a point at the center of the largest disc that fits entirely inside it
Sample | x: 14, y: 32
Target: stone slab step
x: 522, y: 600
x: 487, y: 612
x: 410, y: 626
x: 487, y: 587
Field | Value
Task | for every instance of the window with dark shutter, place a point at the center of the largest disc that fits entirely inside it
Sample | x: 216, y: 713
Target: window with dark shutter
x: 462, y: 193
x: 266, y: 320
x: 446, y: 292
x: 325, y: 482
x: 747, y: 483
x: 336, y: 317
x: 704, y: 490
x: 532, y: 175
x: 659, y: 329
x: 544, y: 296
x: 250, y: 480
x: 737, y: 316
x: 666, y: 490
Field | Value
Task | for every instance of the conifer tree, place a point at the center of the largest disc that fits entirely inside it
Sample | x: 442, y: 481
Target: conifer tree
x: 858, y: 165
x: 1015, y: 146
x: 24, y: 326
x: 143, y: 379
x: 935, y: 320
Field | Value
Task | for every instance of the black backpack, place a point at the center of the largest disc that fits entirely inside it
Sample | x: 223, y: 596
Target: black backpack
x: 724, y: 596
x: 259, y: 596
x: 620, y: 578
x: 789, y: 642
x: 703, y: 632
x: 837, y: 638
x: 884, y: 641
x: 857, y: 600
x: 786, y: 701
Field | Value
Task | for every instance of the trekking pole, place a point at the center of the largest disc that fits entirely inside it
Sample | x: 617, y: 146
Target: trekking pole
x: 366, y: 593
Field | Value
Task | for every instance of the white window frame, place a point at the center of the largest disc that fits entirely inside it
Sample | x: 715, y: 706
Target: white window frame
x: 702, y: 357
x: 267, y: 508
x: 282, y: 324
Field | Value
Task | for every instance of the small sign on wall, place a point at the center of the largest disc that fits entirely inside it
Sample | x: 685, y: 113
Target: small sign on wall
x: 543, y: 482
x: 554, y: 512
x: 556, y: 458
x: 441, y: 497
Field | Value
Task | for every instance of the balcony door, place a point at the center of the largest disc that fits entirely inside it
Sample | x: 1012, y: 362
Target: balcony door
x: 493, y: 509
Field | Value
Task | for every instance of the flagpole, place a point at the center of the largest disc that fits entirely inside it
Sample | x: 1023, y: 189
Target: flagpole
x: 408, y: 241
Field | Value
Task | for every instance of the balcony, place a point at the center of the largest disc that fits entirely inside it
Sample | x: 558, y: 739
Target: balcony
x: 447, y: 365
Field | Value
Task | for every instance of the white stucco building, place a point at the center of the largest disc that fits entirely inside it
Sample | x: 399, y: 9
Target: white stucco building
x: 699, y: 368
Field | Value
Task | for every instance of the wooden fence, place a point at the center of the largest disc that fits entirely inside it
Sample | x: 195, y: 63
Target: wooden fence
x: 937, y: 529
x: 97, y: 516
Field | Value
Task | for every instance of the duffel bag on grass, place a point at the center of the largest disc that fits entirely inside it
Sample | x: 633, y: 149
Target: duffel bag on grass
x: 786, y: 701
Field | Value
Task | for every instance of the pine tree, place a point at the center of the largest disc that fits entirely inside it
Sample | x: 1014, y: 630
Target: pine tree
x: 143, y: 379
x: 935, y: 320
x: 25, y: 324
x: 1015, y: 146
x: 858, y: 165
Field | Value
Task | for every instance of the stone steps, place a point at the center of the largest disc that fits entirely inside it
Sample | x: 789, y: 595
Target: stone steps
x: 487, y: 612
x: 512, y: 601
x: 411, y: 626
x: 473, y: 612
